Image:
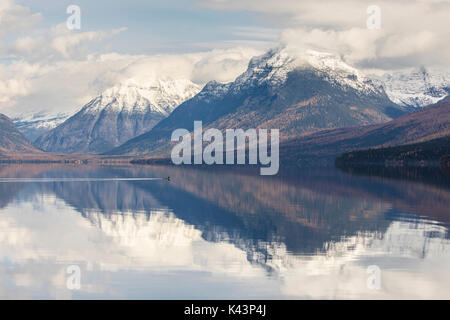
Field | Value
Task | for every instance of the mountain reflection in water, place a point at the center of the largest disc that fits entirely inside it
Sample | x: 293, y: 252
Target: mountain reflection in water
x: 220, y: 233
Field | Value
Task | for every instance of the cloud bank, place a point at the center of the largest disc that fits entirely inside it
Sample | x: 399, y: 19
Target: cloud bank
x: 56, y: 70
x: 411, y: 33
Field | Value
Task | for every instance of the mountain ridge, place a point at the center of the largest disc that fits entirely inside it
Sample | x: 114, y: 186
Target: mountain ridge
x: 425, y: 124
x: 12, y: 141
x: 317, y: 89
x: 417, y: 87
x: 117, y: 115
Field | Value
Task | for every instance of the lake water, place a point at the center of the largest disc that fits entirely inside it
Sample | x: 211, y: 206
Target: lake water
x: 224, y: 233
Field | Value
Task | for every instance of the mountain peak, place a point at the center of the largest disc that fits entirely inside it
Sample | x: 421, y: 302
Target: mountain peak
x: 158, y: 96
x: 118, y: 114
x: 274, y: 66
x: 297, y: 92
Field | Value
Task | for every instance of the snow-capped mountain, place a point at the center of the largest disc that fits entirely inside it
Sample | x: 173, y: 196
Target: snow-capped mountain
x: 274, y: 66
x: 117, y: 115
x: 157, y: 97
x: 34, y: 125
x: 295, y: 92
x: 417, y: 87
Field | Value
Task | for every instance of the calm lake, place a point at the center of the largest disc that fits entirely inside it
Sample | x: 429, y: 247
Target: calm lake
x: 224, y: 233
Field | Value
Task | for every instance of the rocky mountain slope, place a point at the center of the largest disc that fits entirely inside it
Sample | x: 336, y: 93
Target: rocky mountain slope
x: 426, y: 124
x: 117, y: 115
x: 298, y: 93
x: 12, y: 141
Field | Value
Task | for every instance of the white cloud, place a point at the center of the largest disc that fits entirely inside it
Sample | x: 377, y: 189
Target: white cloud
x: 222, y: 65
x: 412, y: 32
x: 397, y: 46
x: 16, y: 18
x: 353, y: 44
x: 64, y: 85
x: 56, y: 70
x: 67, y: 43
x: 48, y: 46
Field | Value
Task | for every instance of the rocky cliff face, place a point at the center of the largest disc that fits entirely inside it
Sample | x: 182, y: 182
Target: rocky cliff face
x: 11, y: 140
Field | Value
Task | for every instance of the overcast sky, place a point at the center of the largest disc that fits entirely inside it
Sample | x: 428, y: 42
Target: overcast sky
x: 44, y: 66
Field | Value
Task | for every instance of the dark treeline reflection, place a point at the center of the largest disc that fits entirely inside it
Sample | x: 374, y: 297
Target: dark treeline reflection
x: 304, y: 209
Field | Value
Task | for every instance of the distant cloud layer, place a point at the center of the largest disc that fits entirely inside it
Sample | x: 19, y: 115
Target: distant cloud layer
x: 48, y: 68
x: 15, y: 18
x: 63, y: 86
x: 56, y: 70
x: 412, y: 32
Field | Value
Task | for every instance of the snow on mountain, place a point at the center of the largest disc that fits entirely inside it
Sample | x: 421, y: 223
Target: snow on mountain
x: 159, y: 96
x: 274, y: 67
x: 297, y: 92
x: 417, y: 87
x: 120, y: 113
x: 409, y: 87
x: 35, y: 125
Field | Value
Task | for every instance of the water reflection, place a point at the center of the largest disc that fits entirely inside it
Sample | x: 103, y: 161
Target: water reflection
x: 225, y: 233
